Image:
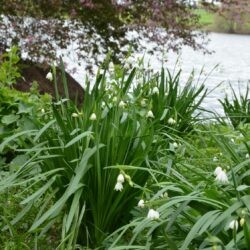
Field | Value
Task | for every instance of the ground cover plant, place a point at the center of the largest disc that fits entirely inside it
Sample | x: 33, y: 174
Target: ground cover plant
x: 134, y: 168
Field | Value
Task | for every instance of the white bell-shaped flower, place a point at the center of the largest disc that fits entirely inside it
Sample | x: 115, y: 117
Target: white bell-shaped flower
x: 150, y: 114
x: 120, y: 178
x: 118, y: 186
x: 222, y: 177
x: 233, y: 225
x: 217, y: 170
x: 141, y: 204
x: 171, y: 121
x: 153, y: 214
x: 155, y: 91
x: 92, y: 117
x: 49, y: 76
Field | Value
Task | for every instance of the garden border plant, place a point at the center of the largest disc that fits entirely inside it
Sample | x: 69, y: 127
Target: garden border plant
x: 94, y: 162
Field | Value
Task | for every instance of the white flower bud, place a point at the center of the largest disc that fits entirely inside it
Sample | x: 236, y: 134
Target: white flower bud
x: 74, y: 115
x: 92, y: 117
x: 141, y: 204
x: 242, y: 222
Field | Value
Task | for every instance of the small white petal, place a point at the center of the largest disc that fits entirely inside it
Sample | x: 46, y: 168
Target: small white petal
x: 150, y: 114
x: 175, y: 145
x: 118, y: 186
x: 155, y: 91
x: 141, y: 204
x: 233, y: 225
x: 247, y: 156
x: 120, y: 178
x: 92, y: 117
x: 74, y: 115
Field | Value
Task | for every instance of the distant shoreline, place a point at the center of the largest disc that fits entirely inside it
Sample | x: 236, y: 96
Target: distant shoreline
x: 212, y: 22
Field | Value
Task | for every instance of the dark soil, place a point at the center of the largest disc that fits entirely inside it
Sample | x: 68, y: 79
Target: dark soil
x: 31, y: 72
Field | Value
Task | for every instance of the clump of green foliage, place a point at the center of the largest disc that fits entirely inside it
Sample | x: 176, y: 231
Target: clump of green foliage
x: 79, y: 154
x: 9, y: 70
x: 237, y: 109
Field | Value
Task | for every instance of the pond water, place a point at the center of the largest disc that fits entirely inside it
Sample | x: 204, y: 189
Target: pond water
x: 231, y: 55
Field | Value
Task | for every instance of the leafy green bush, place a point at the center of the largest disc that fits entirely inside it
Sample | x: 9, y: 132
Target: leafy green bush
x: 20, y: 112
x: 9, y: 71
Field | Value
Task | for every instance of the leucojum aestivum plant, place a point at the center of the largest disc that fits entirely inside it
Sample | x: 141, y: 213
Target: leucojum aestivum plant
x: 89, y: 165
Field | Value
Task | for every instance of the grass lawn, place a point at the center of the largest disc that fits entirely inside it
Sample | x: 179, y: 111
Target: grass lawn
x: 206, y: 18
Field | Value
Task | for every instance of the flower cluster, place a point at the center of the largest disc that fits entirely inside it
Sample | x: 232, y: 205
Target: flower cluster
x: 119, y: 183
x: 152, y: 214
x: 171, y: 121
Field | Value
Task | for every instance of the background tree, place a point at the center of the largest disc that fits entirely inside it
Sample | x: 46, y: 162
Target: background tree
x: 235, y: 12
x: 98, y: 26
